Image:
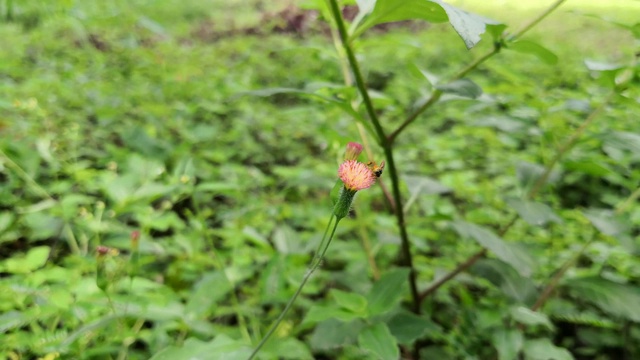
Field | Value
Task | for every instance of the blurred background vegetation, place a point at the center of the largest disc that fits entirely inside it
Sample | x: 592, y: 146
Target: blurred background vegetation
x: 122, y: 116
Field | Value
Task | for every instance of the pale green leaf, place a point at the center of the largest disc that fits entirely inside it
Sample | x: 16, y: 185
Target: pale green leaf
x: 468, y: 26
x: 607, y: 222
x: 331, y: 334
x: 221, y: 348
x: 212, y: 287
x: 350, y: 301
x: 544, y: 349
x: 377, y: 339
x: 534, y: 213
x: 519, y: 288
x: 387, y: 291
x: 407, y: 327
x: 533, y: 48
x: 510, y: 253
x: 508, y: 343
x: 462, y: 87
x: 527, y: 316
x: 611, y: 297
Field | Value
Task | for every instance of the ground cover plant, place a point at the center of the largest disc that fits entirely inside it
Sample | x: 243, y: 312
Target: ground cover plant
x: 167, y: 171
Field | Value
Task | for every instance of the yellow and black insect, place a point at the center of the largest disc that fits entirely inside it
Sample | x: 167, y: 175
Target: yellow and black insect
x: 377, y: 169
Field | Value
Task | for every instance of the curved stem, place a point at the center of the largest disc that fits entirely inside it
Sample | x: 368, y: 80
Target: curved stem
x: 435, y: 96
x: 405, y: 259
x: 355, y: 68
x: 535, y: 189
x: 405, y: 247
x: 315, y: 263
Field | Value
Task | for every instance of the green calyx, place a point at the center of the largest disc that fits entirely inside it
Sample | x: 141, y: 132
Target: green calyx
x: 342, y: 206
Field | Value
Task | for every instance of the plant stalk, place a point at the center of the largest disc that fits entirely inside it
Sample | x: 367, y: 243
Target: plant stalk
x: 315, y: 263
x: 406, y: 258
x: 435, y: 96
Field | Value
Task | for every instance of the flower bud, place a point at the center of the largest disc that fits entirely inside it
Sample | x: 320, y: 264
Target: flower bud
x: 353, y: 151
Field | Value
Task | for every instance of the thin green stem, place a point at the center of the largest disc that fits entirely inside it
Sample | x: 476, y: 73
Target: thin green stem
x: 405, y: 248
x: 366, y: 245
x: 235, y: 302
x: 355, y: 68
x: 568, y: 145
x: 435, y: 96
x: 558, y: 275
x: 315, y: 263
x: 536, y: 20
x: 23, y: 174
x: 406, y: 258
x: 562, y: 150
x: 630, y: 200
x: 621, y: 208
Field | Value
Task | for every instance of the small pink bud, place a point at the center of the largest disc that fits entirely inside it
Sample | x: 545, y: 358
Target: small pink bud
x: 356, y: 175
x: 353, y: 151
x: 135, y: 237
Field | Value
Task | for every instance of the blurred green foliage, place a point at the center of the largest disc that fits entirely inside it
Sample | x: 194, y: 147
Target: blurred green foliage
x: 123, y: 116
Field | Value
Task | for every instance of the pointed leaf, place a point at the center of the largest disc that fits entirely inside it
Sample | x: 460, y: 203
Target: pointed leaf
x: 607, y: 222
x: 512, y: 284
x: 510, y: 253
x: 331, y: 334
x: 534, y: 213
x: 212, y: 287
x: 407, y: 327
x: 468, y: 26
x: 613, y: 298
x: 379, y: 341
x: 508, y: 343
x: 387, y: 291
x: 544, y: 349
x: 527, y: 316
x: 532, y: 48
x: 462, y: 87
x: 528, y: 173
x: 350, y: 301
x: 221, y: 348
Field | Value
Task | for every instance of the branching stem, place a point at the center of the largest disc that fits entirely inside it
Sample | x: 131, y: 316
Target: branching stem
x: 405, y: 258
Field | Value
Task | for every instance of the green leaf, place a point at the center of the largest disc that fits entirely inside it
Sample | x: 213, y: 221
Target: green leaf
x: 350, y: 301
x: 534, y: 213
x: 503, y: 275
x: 377, y: 339
x: 407, y: 327
x: 588, y: 167
x: 527, y: 316
x: 6, y: 220
x: 533, y: 48
x: 612, y: 298
x: 319, y: 313
x: 607, y: 222
x: 616, y: 142
x: 212, y: 287
x: 502, y: 123
x: 288, y: 348
x: 510, y: 253
x: 468, y: 26
x: 221, y: 348
x: 387, y: 291
x: 528, y: 173
x: 462, y: 87
x: 496, y: 30
x: 34, y: 259
x: 508, y: 343
x: 544, y: 349
x: 332, y: 333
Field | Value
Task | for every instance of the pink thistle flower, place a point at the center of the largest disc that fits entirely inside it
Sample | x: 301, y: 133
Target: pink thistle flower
x: 353, y: 151
x: 356, y: 175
